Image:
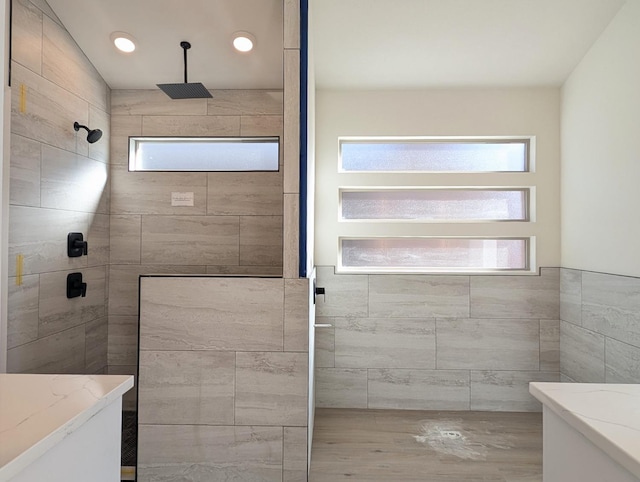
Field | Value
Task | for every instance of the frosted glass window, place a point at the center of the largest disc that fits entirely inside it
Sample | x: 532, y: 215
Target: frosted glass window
x: 434, y: 156
x: 434, y: 254
x: 436, y: 204
x: 204, y: 154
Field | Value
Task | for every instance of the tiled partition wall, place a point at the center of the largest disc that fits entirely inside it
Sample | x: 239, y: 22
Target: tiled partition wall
x: 600, y: 327
x: 223, y: 379
x: 235, y: 225
x: 59, y: 184
x: 436, y: 342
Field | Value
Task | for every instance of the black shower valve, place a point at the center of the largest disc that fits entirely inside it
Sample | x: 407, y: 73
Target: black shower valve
x: 75, y: 286
x: 76, y: 245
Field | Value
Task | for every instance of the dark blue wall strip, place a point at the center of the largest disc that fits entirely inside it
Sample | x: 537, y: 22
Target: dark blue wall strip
x: 304, y: 63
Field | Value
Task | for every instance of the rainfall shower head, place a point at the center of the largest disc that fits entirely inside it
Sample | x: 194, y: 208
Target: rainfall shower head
x: 93, y: 135
x: 186, y: 90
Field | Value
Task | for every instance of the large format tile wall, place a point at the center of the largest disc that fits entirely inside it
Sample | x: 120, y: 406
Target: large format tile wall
x: 234, y: 226
x: 59, y: 184
x: 223, y: 381
x: 436, y: 342
x: 599, y: 328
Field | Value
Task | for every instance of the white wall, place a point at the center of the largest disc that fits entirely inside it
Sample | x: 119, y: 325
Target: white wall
x: 455, y: 112
x: 601, y: 152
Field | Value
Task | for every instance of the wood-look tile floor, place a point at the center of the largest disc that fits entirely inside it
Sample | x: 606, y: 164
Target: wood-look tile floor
x: 402, y: 445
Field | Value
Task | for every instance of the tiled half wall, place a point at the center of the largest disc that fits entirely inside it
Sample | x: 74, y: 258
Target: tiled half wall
x: 600, y: 327
x: 427, y: 342
x: 223, y: 384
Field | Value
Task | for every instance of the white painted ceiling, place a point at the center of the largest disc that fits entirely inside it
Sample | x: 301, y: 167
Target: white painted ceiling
x: 412, y: 44
x: 160, y: 25
x: 358, y: 44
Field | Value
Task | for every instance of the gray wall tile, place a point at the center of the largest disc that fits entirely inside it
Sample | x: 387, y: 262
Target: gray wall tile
x: 550, y: 345
x: 22, y: 307
x: 244, y: 193
x: 419, y: 389
x: 261, y: 125
x: 96, y: 341
x: 66, y: 65
x: 325, y: 343
x: 26, y: 35
x: 517, y: 296
x: 59, y: 353
x: 274, y: 271
x: 507, y: 391
x: 346, y: 295
x: 291, y: 144
x: 153, y: 102
x: 245, y: 102
x: 125, y: 232
x: 186, y: 387
x: 24, y: 186
x: 98, y: 239
x: 271, y: 388
x: 211, y: 314
x: 385, y: 343
x: 296, y: 314
x: 123, y: 284
x: 341, y: 388
x: 295, y: 455
x: 123, y: 340
x: 291, y: 246
x: 418, y: 296
x: 49, y: 109
x: 611, y: 306
x: 488, y: 344
x: 193, y: 125
x: 622, y: 362
x: 581, y: 354
x: 150, y: 192
x: 100, y: 119
x: 260, y: 240
x: 192, y: 452
x: 122, y: 127
x: 190, y: 240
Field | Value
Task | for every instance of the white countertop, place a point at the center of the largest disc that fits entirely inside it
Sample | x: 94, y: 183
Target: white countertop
x: 38, y: 411
x: 606, y: 414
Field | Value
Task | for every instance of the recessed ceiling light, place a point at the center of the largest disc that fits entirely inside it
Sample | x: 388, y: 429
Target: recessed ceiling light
x: 123, y: 42
x: 243, y: 41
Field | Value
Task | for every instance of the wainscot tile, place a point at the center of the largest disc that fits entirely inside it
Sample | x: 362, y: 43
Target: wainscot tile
x: 186, y: 387
x: 296, y: 314
x: 500, y: 344
x: 622, y: 362
x: 419, y: 389
x: 123, y: 340
x: 295, y: 454
x: 507, y: 391
x: 325, y: 343
x: 385, y: 343
x: 418, y: 296
x: 346, y: 295
x: 291, y: 246
x: 550, y: 345
x: 611, y: 306
x: 581, y: 354
x: 517, y: 296
x: 96, y: 341
x: 341, y: 388
x: 211, y: 314
x: 199, y: 452
x: 271, y: 388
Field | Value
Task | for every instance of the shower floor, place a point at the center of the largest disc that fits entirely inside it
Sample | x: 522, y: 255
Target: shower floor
x: 402, y: 445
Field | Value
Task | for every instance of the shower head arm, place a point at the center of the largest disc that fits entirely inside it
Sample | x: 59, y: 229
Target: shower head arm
x: 77, y: 126
x: 185, y: 46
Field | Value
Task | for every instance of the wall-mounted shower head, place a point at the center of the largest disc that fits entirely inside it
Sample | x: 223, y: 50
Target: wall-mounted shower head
x: 93, y: 135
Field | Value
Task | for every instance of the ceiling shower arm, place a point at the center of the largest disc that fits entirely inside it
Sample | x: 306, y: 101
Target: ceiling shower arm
x: 185, y: 46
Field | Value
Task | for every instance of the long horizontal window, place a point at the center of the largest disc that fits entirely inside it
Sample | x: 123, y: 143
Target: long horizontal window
x: 435, y: 205
x: 434, y: 254
x: 204, y: 153
x: 428, y: 155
